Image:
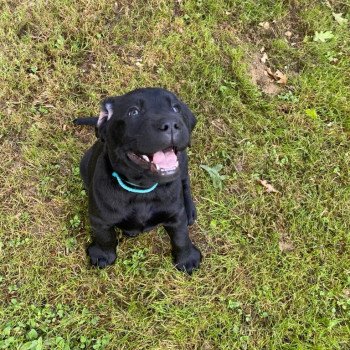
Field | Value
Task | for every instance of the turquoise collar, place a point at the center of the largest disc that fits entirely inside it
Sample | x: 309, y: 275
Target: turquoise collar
x: 130, y: 189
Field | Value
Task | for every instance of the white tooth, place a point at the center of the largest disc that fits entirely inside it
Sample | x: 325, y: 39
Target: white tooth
x: 157, y: 166
x: 145, y: 158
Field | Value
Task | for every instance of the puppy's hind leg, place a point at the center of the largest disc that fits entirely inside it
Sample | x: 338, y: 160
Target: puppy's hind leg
x: 84, y: 165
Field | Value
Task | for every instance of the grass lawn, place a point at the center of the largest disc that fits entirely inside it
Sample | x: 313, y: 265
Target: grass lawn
x: 276, y: 268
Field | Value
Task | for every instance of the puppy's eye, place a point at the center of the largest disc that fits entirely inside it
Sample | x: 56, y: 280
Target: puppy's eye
x: 133, y: 112
x: 176, y: 108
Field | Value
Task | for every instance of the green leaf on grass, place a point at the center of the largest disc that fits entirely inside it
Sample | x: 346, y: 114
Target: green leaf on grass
x: 234, y: 304
x: 323, y: 36
x: 32, y: 334
x: 33, y: 345
x: 214, y: 174
x: 312, y: 113
x: 333, y: 323
x: 339, y: 18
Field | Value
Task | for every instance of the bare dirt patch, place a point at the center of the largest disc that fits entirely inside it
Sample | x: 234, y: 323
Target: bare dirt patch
x: 260, y: 77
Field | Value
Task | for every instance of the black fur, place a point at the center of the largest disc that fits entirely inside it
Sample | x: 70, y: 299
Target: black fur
x: 163, y: 121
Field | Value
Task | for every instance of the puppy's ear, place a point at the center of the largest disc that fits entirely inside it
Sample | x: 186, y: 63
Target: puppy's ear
x: 191, y: 119
x: 106, y: 113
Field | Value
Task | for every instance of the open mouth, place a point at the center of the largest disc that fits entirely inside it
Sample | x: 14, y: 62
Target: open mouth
x: 162, y: 162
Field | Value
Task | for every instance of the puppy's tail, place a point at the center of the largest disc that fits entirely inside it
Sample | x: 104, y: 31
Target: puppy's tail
x: 92, y: 121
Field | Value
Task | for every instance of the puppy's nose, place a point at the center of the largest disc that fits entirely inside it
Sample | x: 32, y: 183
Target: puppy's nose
x: 169, y: 126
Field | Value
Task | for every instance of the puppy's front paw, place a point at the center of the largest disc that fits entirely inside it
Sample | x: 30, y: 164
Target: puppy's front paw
x: 188, y: 261
x: 101, y: 257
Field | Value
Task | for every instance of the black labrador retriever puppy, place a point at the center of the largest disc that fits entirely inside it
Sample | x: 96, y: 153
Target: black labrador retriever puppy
x: 136, y: 173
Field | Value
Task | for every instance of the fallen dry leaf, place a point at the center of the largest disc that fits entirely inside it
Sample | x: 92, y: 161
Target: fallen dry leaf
x: 220, y: 125
x: 328, y: 4
x: 269, y: 188
x: 270, y: 73
x: 281, y: 78
x: 238, y: 166
x: 265, y: 25
x: 285, y: 246
x: 346, y: 292
x: 264, y: 58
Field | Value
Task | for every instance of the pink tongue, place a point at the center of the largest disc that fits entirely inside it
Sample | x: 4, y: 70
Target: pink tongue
x: 165, y: 160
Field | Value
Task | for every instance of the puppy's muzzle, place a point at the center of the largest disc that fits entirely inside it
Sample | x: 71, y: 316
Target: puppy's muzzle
x: 169, y: 129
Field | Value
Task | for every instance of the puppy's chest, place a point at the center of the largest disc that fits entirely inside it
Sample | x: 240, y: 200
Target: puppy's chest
x: 143, y: 217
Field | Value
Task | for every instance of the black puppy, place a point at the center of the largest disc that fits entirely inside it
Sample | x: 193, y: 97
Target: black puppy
x: 136, y: 173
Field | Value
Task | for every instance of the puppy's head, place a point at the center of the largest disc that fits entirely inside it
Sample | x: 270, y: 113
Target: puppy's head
x: 144, y: 131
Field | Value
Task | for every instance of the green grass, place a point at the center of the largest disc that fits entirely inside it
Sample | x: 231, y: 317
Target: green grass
x: 276, y: 268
